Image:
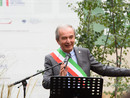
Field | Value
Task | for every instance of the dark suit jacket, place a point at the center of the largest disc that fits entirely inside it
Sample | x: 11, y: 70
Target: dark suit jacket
x: 87, y: 62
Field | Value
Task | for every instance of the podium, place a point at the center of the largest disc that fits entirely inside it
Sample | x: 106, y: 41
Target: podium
x: 76, y: 87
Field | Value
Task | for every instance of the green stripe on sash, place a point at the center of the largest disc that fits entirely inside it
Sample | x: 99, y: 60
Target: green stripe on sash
x: 73, y: 63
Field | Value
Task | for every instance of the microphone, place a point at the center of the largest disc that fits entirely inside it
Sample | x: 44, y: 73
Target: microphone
x: 67, y: 57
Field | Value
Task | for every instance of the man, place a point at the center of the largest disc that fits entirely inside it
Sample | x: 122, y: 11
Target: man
x: 80, y: 63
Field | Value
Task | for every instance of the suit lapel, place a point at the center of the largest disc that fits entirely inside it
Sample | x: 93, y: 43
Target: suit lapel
x: 78, y: 54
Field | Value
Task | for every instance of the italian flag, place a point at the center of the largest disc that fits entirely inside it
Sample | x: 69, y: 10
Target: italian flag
x: 74, y: 69
x: 4, y: 2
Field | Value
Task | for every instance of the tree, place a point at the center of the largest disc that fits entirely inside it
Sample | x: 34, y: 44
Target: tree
x: 115, y: 19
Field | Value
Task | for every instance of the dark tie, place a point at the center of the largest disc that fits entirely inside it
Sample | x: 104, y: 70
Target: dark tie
x: 68, y: 74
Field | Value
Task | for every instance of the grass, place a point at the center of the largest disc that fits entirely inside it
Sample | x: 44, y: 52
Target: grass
x: 6, y: 92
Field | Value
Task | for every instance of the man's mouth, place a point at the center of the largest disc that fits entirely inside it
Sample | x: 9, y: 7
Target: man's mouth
x: 67, y: 45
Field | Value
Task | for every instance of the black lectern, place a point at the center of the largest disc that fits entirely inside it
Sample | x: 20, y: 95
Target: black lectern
x: 76, y: 87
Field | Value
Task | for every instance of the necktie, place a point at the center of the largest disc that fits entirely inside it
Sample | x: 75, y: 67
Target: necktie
x: 68, y: 74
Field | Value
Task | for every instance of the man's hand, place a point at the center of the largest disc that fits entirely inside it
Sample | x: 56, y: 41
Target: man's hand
x: 63, y: 70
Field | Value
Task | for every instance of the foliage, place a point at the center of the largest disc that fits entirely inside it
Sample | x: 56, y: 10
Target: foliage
x: 86, y: 36
x: 115, y: 20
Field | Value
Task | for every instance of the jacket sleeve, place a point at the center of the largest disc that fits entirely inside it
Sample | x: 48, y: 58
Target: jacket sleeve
x: 106, y: 70
x: 47, y: 74
x: 54, y: 71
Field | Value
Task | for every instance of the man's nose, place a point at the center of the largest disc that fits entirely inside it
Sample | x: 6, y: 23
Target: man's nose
x: 68, y: 40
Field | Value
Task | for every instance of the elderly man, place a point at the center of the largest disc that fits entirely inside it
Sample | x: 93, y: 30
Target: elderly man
x: 80, y: 63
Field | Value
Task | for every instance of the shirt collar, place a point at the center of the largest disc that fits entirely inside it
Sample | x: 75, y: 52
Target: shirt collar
x: 72, y: 52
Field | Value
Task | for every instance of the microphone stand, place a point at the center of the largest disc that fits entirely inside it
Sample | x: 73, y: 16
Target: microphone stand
x: 24, y: 82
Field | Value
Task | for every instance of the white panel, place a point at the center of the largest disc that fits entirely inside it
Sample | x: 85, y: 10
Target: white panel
x: 27, y: 34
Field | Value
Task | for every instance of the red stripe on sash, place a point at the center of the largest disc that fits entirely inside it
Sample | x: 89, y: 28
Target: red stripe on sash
x: 72, y: 72
x: 56, y: 58
x: 59, y: 61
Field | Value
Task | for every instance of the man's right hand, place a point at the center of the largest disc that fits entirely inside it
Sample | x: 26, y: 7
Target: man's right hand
x: 63, y: 70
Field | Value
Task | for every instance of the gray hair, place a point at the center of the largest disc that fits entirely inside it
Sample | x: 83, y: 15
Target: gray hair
x: 59, y: 27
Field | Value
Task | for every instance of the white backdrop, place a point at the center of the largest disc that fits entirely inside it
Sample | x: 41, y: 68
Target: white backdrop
x: 26, y: 35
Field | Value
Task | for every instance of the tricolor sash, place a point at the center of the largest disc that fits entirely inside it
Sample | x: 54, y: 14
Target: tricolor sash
x: 74, y: 69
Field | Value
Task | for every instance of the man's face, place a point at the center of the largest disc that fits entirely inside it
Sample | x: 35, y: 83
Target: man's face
x: 66, y: 39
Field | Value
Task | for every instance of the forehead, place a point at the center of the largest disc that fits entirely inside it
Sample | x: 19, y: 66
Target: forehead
x: 66, y: 31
